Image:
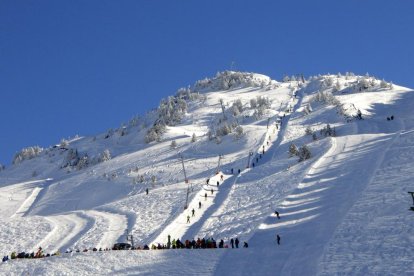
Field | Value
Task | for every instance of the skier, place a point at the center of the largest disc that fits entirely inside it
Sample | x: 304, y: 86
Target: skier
x: 208, y: 180
x: 212, y: 191
x: 277, y: 214
x: 237, y: 242
x: 278, y: 239
x: 205, y: 196
x: 221, y: 177
x: 193, y: 212
x: 218, y: 183
x: 199, y: 205
x: 239, y: 171
x: 231, y: 170
x: 232, y: 243
x: 188, y: 219
x: 146, y: 190
x: 253, y: 164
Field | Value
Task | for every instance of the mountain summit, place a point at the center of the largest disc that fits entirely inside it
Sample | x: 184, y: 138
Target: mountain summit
x: 332, y: 154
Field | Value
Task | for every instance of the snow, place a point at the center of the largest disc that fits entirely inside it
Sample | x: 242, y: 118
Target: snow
x: 343, y: 211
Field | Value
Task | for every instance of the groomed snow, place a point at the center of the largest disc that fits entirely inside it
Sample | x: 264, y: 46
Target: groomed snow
x: 343, y: 211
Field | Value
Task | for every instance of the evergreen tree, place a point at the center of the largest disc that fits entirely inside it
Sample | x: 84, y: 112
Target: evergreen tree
x: 293, y: 150
x: 193, y: 138
x: 304, y: 153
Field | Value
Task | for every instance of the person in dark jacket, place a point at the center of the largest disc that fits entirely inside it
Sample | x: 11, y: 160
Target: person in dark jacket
x: 232, y: 243
x: 245, y: 245
x: 277, y: 214
x: 237, y: 242
x: 278, y: 239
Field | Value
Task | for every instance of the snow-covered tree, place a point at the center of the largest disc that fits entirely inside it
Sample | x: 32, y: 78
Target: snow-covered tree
x: 383, y: 84
x: 26, y: 154
x: 105, y: 156
x: 337, y: 87
x: 293, y: 150
x: 253, y: 103
x: 239, y: 131
x: 154, y: 133
x: 304, y: 153
x: 308, y: 109
x: 308, y: 130
x: 364, y: 83
x: 63, y: 143
x: 237, y: 107
x: 83, y: 162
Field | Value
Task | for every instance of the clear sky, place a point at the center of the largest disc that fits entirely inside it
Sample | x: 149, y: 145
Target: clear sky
x: 82, y: 67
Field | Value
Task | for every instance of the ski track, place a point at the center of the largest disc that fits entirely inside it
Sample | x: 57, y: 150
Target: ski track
x: 179, y: 228
x: 106, y: 230
x: 66, y: 231
x: 27, y: 203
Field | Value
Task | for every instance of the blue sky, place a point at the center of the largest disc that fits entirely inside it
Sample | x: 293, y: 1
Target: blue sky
x: 82, y: 67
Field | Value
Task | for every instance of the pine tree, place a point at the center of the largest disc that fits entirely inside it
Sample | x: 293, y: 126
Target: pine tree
x: 304, y: 153
x: 308, y: 130
x: 293, y: 150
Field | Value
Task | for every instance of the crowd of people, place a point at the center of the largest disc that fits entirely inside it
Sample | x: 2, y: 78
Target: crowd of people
x: 209, y: 243
x: 198, y: 244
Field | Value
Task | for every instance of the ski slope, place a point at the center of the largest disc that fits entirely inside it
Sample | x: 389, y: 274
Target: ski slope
x: 343, y: 211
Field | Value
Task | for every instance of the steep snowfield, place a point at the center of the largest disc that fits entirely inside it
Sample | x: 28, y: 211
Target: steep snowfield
x: 343, y: 211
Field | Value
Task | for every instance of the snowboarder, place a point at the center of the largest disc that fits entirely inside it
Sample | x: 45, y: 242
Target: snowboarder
x: 193, y: 212
x: 245, y: 245
x: 278, y: 239
x: 146, y: 190
x: 277, y: 214
x: 232, y: 243
x: 199, y: 205
x: 237, y: 242
x: 188, y: 219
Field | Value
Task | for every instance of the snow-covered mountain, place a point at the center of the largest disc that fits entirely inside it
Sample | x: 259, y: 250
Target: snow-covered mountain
x: 332, y: 154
